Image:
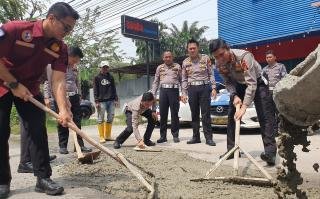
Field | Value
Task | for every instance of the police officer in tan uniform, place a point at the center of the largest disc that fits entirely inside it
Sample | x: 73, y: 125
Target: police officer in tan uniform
x: 168, y: 78
x: 274, y: 72
x: 133, y: 110
x: 242, y: 75
x: 199, y: 84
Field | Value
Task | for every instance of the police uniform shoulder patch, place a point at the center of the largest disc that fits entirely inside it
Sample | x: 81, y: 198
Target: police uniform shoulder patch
x: 55, y: 47
x: 26, y: 35
x: 174, y: 67
x: 2, y: 33
x: 161, y: 68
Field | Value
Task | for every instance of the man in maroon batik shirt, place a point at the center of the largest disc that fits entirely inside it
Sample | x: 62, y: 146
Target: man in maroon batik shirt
x: 26, y: 48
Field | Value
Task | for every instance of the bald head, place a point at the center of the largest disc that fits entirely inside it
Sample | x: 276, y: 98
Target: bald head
x: 167, y: 58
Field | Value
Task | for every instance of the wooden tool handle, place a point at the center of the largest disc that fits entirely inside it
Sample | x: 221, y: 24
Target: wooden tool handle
x: 117, y: 156
x: 236, y: 143
x: 76, y: 145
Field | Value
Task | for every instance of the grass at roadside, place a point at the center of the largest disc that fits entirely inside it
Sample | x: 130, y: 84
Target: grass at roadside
x: 119, y: 119
x: 52, y: 124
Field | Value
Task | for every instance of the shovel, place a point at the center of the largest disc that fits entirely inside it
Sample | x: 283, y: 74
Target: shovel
x: 117, y: 156
x: 84, y: 158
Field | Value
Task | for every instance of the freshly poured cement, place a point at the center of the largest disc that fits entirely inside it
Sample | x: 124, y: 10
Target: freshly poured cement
x: 297, y: 97
x: 288, y: 176
x: 172, y: 171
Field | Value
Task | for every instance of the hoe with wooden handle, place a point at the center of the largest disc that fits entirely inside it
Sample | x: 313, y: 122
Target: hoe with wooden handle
x: 236, y: 178
x: 84, y: 158
x: 117, y: 156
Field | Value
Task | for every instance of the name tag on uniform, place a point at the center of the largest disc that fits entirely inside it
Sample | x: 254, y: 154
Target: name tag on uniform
x: 50, y: 52
x: 25, y: 44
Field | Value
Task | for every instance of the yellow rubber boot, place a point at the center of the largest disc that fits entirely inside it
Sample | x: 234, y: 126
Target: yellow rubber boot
x: 101, y: 133
x: 107, y: 131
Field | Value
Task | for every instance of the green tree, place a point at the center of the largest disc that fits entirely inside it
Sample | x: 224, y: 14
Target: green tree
x: 96, y: 48
x: 155, y: 47
x: 178, y: 38
x: 20, y: 9
x: 174, y: 40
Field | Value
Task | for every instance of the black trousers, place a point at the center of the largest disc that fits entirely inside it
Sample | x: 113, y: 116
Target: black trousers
x: 24, y: 148
x: 276, y: 113
x: 33, y: 120
x: 266, y: 116
x: 63, y: 132
x: 199, y: 98
x: 169, y: 97
x: 129, y: 129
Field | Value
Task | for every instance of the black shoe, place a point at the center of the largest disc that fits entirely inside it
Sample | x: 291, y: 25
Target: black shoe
x: 85, y: 149
x: 48, y: 186
x: 4, y: 190
x: 210, y: 143
x: 176, y: 139
x: 149, y: 143
x: 52, y: 157
x: 230, y: 157
x: 162, y: 139
x: 194, y: 141
x: 63, y: 151
x: 25, y: 168
x: 116, y: 145
x: 269, y: 158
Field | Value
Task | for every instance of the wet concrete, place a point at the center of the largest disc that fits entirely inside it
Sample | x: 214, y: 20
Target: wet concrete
x: 173, y: 168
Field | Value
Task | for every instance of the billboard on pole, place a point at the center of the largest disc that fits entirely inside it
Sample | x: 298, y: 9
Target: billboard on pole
x: 139, y: 29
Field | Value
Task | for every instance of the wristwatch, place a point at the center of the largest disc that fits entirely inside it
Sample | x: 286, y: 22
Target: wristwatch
x: 13, y: 85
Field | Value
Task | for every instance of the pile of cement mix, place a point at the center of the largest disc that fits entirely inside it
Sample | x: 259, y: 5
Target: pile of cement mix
x: 172, y: 170
x: 289, y: 178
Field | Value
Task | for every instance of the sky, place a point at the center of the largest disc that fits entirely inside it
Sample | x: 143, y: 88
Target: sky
x: 204, y: 11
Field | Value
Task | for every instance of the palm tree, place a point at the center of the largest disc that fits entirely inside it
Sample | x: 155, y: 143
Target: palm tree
x: 174, y: 40
x: 155, y: 48
x: 179, y: 38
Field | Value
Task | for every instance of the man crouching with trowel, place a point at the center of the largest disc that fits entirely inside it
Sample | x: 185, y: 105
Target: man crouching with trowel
x: 133, y: 110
